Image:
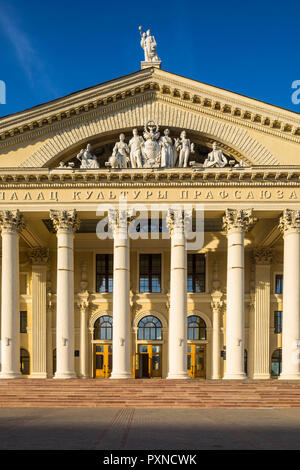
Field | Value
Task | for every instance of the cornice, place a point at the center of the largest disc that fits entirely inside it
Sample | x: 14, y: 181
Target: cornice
x: 12, y: 178
x: 151, y: 84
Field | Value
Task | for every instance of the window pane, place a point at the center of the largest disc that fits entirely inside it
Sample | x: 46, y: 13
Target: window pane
x: 104, y: 273
x: 279, y: 284
x: 196, y: 273
x: 150, y: 273
x: 23, y: 322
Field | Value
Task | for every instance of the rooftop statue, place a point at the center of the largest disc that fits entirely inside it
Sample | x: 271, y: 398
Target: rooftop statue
x: 149, y: 44
x: 87, y: 160
x: 216, y: 158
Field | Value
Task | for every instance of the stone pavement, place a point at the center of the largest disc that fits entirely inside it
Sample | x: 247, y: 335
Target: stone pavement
x: 149, y: 429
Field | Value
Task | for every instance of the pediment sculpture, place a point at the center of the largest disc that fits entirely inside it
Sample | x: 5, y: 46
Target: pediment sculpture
x: 87, y: 159
x: 151, y: 150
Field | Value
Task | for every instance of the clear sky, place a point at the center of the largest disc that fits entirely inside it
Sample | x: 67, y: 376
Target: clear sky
x: 52, y: 48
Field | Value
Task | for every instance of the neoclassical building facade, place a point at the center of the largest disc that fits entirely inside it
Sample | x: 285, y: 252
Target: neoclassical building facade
x: 98, y: 277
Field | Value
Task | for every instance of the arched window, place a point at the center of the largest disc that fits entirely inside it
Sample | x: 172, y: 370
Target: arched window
x: 276, y: 362
x: 196, y: 328
x: 54, y: 361
x: 150, y: 328
x: 103, y: 328
x: 24, y: 362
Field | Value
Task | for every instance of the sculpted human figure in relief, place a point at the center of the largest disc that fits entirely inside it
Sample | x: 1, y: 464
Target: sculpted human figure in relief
x: 136, y: 144
x: 119, y: 154
x: 185, y: 148
x: 216, y: 158
x: 167, y: 150
x: 87, y: 159
x: 149, y: 44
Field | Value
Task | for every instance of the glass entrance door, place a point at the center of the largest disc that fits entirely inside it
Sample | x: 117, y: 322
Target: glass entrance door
x: 103, y: 360
x: 149, y: 361
x: 196, y: 361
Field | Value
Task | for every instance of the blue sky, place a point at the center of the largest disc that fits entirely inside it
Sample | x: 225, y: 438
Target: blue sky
x: 50, y: 49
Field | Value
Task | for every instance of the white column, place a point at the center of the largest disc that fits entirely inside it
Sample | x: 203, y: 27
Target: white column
x: 65, y: 223
x: 260, y: 336
x: 11, y: 223
x: 83, y: 304
x: 178, y: 298
x: 216, y: 306
x: 290, y: 226
x: 236, y: 222
x: 39, y: 257
x: 121, y: 369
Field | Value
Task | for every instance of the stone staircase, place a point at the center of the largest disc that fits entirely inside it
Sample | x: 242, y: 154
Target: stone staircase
x: 154, y: 393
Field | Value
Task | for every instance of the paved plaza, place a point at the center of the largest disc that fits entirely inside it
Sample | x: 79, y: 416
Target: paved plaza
x: 149, y: 429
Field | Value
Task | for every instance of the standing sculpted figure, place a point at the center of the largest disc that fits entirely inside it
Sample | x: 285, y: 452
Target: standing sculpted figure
x: 149, y: 44
x: 216, y: 158
x: 185, y: 148
x: 120, y: 152
x: 135, y: 144
x: 86, y: 158
x: 167, y: 150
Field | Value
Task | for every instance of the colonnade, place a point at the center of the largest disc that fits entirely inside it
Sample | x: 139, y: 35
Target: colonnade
x: 236, y: 222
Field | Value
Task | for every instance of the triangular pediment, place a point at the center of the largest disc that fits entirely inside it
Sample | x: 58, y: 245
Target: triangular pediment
x: 252, y: 130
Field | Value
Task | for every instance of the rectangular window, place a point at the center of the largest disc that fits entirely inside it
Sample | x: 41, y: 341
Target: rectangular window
x: 104, y: 273
x: 150, y: 273
x: 278, y: 321
x: 278, y: 284
x: 196, y: 273
x: 23, y: 322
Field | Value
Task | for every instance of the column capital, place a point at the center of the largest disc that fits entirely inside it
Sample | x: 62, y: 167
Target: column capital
x: 83, y: 301
x: 65, y: 220
x: 290, y: 221
x: 11, y: 221
x: 39, y: 255
x: 263, y: 256
x: 240, y: 220
x: 176, y: 220
x: 216, y: 301
x: 118, y: 219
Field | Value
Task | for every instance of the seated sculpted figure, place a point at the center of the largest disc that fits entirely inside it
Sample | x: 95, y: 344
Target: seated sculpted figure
x: 136, y: 145
x: 216, y: 158
x: 87, y: 159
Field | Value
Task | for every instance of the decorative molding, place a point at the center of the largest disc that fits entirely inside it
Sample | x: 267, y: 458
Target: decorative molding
x: 252, y: 151
x: 162, y: 86
x: 238, y: 219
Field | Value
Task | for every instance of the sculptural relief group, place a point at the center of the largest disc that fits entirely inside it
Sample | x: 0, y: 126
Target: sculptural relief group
x: 153, y: 150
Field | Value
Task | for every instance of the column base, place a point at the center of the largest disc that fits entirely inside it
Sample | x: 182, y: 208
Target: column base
x: 180, y: 376
x: 121, y: 375
x: 11, y: 375
x: 65, y: 375
x: 260, y: 377
x: 38, y: 375
x: 234, y: 376
x: 215, y: 377
x: 295, y: 376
